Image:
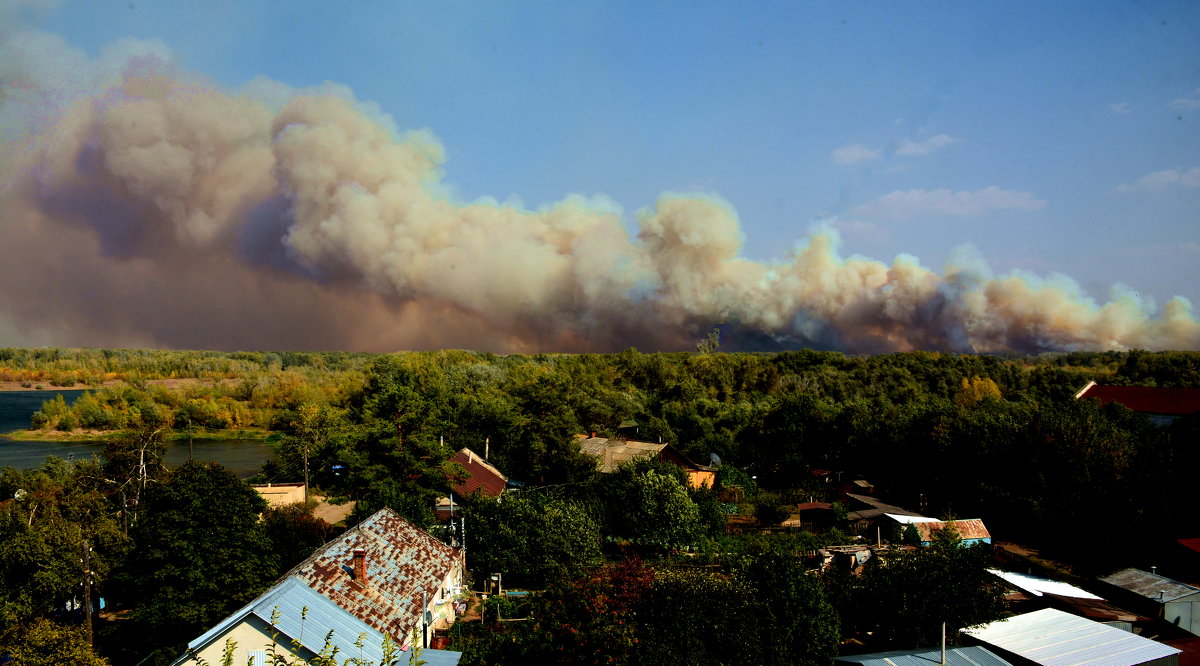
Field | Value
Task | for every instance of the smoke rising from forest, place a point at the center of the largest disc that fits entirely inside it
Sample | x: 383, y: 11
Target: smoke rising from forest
x: 144, y: 206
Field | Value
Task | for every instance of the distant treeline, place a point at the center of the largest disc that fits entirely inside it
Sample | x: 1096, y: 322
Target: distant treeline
x: 998, y: 437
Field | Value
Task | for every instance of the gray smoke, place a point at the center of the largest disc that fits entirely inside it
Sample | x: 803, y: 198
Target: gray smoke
x: 144, y: 206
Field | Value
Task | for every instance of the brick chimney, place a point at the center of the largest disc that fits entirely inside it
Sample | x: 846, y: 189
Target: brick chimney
x: 360, y: 565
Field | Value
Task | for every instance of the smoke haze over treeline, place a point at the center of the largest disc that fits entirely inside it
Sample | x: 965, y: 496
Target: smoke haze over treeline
x: 145, y: 206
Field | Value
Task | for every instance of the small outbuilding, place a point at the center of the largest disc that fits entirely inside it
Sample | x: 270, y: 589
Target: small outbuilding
x: 1175, y: 602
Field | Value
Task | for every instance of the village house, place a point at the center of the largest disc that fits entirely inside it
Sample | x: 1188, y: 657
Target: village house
x: 970, y: 531
x: 610, y: 453
x: 1162, y: 405
x: 1170, y: 600
x: 383, y: 580
x: 482, y: 478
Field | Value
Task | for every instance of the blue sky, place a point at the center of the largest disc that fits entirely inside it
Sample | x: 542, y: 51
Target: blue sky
x: 1049, y: 137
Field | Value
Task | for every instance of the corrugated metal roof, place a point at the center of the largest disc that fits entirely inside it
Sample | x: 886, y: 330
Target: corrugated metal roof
x: 285, y: 604
x: 434, y: 657
x: 1038, y: 586
x: 878, y: 508
x: 973, y: 655
x: 906, y: 519
x: 969, y: 529
x: 1054, y: 638
x: 484, y: 477
x: 402, y: 562
x: 1149, y: 585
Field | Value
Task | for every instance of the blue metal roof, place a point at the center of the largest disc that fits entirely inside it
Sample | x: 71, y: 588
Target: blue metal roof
x: 955, y: 656
x: 303, y: 617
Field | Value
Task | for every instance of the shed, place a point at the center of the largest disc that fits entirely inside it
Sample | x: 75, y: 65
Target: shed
x: 970, y: 531
x: 1175, y: 602
x: 1050, y: 637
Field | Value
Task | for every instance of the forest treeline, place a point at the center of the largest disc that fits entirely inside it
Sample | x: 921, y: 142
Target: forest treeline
x: 998, y: 438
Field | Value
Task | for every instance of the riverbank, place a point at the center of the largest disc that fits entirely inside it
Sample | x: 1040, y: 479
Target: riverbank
x: 105, y: 435
x: 79, y: 386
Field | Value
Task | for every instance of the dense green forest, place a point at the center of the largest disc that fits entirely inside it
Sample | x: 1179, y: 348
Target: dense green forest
x: 1001, y: 438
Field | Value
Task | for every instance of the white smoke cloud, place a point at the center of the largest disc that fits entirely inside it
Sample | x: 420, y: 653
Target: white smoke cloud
x: 911, y: 204
x: 1161, y: 180
x: 1187, y: 103
x: 853, y: 154
x: 910, y: 147
x: 147, y: 207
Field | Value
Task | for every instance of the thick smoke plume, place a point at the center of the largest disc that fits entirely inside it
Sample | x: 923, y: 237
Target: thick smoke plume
x: 143, y: 206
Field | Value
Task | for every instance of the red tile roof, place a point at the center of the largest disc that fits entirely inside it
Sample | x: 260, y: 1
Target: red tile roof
x: 1176, y: 401
x: 403, y: 562
x: 484, y: 477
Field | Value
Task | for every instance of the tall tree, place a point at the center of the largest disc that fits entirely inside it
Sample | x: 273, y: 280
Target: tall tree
x: 199, y: 552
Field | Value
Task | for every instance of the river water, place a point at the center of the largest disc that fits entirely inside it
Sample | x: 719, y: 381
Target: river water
x: 241, y: 456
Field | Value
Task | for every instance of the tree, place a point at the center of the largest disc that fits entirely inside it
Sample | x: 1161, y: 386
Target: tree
x: 530, y: 537
x: 796, y: 624
x: 649, y: 504
x: 46, y: 643
x: 904, y: 596
x: 294, y: 533
x: 53, y: 514
x: 199, y: 552
x: 975, y: 390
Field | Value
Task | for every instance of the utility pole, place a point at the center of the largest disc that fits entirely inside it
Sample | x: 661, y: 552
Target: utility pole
x: 87, y: 592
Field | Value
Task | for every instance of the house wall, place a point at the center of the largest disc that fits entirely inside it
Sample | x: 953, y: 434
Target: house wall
x: 281, y: 494
x: 251, y: 634
x: 442, y: 606
x: 701, y: 478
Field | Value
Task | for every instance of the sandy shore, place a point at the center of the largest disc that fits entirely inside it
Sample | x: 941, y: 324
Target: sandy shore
x: 47, y: 388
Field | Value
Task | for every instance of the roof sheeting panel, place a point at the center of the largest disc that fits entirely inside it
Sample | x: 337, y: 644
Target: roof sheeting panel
x: 955, y: 656
x: 285, y: 607
x: 1053, y: 638
x: 1038, y: 586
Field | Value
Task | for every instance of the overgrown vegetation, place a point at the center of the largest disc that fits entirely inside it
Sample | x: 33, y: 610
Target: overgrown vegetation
x: 998, y: 438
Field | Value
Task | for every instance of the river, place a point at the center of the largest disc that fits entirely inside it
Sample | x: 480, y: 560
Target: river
x: 241, y: 456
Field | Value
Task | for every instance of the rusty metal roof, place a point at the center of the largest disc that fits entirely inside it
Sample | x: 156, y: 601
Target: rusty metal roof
x: 1150, y: 585
x: 972, y: 528
x: 402, y: 562
x: 484, y: 477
